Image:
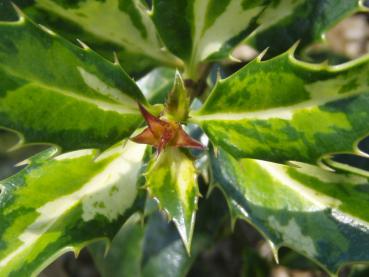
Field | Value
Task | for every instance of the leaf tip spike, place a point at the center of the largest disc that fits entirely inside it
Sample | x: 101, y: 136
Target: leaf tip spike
x: 19, y: 12
x: 262, y: 54
x: 116, y: 59
x: 83, y: 45
x: 293, y: 48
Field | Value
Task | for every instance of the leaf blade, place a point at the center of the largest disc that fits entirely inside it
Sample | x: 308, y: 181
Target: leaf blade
x: 315, y: 111
x: 41, y: 72
x: 51, y: 212
x: 303, y: 207
x: 139, y: 34
x: 147, y: 251
x: 157, y: 84
x: 280, y: 36
x: 202, y: 30
x: 171, y: 180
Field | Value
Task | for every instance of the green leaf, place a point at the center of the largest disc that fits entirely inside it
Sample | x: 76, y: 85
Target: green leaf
x: 164, y: 252
x: 284, y: 109
x: 61, y: 203
x: 124, y: 255
x: 349, y: 163
x: 178, y: 103
x: 156, y: 249
x: 200, y: 30
x: 320, y: 214
x: 280, y: 35
x: 135, y: 64
x: 171, y: 180
x: 156, y: 84
x: 53, y: 91
x: 151, y: 250
x: 124, y: 23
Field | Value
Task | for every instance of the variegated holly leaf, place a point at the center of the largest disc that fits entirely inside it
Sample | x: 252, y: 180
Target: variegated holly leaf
x: 151, y: 250
x: 61, y: 203
x: 171, y: 180
x: 155, y: 247
x: 320, y: 214
x: 209, y: 29
x: 123, y: 23
x: 135, y: 64
x: 54, y: 91
x: 284, y: 109
x: 299, y: 26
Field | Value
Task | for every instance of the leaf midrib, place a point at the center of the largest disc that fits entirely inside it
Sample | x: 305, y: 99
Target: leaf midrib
x: 319, y: 199
x: 103, y: 105
x: 284, y: 112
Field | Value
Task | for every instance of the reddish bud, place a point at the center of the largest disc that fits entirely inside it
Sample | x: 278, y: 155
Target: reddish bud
x: 161, y: 133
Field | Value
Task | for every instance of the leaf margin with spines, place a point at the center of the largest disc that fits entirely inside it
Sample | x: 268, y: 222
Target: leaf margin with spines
x: 203, y: 116
x: 122, y: 152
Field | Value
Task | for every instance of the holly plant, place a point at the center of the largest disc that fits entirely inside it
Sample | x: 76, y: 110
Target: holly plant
x: 139, y: 116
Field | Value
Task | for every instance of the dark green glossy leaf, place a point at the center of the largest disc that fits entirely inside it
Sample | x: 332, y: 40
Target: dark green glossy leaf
x: 155, y: 249
x: 123, y: 257
x: 307, y: 24
x: 157, y: 84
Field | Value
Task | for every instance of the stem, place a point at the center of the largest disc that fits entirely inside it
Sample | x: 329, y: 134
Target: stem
x: 197, y: 87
